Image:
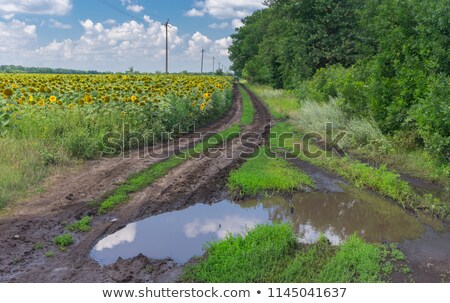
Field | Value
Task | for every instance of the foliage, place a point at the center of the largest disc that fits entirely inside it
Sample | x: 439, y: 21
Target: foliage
x: 385, y: 60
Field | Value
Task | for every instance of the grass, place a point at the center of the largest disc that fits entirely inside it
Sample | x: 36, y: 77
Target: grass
x: 264, y: 173
x: 258, y: 257
x: 281, y: 103
x: 270, y: 253
x: 248, y: 111
x: 63, y: 241
x: 24, y: 165
x: 82, y: 225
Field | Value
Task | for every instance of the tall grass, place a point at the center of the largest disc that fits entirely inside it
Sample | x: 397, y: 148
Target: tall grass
x: 23, y: 164
x: 281, y: 103
x: 361, y: 132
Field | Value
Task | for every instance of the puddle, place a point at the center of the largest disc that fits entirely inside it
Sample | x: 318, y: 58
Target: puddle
x: 180, y: 235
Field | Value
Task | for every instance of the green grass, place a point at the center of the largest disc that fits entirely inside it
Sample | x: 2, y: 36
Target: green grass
x: 271, y: 254
x: 63, y: 241
x: 82, y: 225
x: 355, y: 261
x: 258, y: 257
x: 139, y: 181
x: 248, y: 111
x: 264, y: 173
x: 146, y: 177
x: 281, y: 103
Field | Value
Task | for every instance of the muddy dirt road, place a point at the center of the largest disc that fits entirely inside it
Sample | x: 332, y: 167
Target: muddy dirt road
x: 70, y: 196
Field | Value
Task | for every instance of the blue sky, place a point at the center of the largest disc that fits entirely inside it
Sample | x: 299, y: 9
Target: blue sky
x: 112, y: 35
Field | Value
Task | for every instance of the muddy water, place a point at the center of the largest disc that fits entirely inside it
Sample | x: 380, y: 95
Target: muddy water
x: 180, y: 235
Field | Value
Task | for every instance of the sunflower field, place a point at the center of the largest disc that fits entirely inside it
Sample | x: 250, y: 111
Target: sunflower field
x: 47, y: 120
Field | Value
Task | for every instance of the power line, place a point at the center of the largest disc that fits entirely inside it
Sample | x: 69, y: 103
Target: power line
x: 112, y: 6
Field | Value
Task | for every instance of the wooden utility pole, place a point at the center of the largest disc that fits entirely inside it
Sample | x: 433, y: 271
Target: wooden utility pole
x: 213, y: 64
x: 167, y: 45
x: 203, y: 53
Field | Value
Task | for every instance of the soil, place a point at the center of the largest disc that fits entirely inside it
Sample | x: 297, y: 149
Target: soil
x: 28, y: 230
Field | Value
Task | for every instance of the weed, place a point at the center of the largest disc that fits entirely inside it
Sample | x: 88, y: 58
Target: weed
x: 81, y: 225
x: 63, y: 241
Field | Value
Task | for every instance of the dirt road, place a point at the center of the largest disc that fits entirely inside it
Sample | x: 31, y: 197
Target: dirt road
x: 69, y: 197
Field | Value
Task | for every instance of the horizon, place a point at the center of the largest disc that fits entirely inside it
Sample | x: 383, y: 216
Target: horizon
x: 114, y: 35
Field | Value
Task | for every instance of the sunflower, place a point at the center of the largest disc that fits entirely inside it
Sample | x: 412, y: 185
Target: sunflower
x: 52, y: 99
x: 40, y: 102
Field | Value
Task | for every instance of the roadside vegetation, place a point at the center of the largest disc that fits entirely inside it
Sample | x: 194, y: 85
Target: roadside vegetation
x: 379, y: 179
x: 271, y: 253
x: 382, y: 75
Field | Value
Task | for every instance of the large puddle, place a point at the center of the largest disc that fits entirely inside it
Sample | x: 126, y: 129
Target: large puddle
x: 180, y: 235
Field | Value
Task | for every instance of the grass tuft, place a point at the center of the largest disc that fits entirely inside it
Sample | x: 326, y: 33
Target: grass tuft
x: 263, y: 173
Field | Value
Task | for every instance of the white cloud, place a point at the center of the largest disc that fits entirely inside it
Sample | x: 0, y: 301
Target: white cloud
x: 109, y: 22
x: 194, y: 13
x: 39, y: 7
x: 197, y: 42
x: 135, y: 8
x: 8, y: 16
x: 237, y: 23
x: 224, y: 9
x: 56, y: 24
x: 222, y: 25
x: 16, y: 37
x: 128, y: 42
x: 221, y: 46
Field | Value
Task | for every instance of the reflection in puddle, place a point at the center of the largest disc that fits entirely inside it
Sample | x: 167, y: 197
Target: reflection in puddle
x: 180, y: 235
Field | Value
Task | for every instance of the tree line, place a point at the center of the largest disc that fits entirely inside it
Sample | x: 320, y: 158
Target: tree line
x: 384, y: 59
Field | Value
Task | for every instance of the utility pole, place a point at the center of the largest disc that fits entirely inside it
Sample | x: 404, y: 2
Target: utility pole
x: 213, y: 64
x: 203, y: 53
x: 167, y: 45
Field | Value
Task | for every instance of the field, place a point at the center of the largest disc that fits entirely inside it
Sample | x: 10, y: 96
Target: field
x: 49, y: 121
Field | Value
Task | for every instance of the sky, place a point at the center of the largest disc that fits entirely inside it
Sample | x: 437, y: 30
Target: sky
x: 114, y: 35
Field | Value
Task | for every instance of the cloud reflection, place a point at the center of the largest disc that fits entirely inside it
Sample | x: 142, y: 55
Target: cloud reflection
x: 127, y: 234
x: 220, y: 227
